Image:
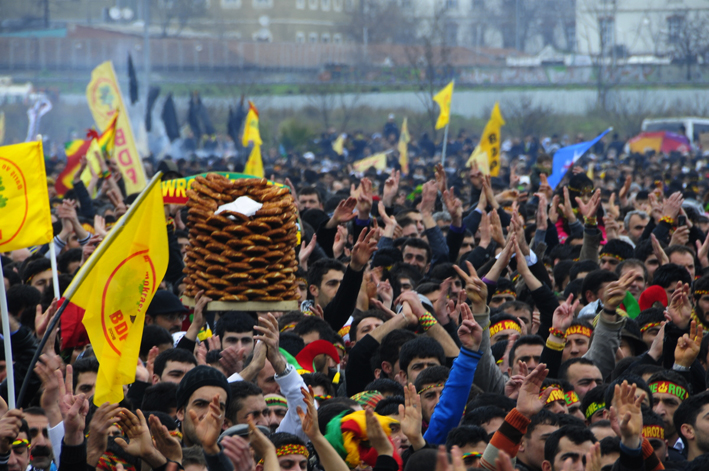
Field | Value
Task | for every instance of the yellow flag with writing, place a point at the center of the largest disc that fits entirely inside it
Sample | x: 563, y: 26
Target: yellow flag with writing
x: 403, y: 147
x: 490, y: 142
x: 104, y: 97
x: 378, y: 161
x: 443, y: 98
x: 25, y: 217
x: 115, y: 287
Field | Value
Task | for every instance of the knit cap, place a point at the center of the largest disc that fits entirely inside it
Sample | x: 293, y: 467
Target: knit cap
x: 199, y: 377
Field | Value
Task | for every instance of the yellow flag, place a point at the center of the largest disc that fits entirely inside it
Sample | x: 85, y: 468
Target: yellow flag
x: 254, y: 166
x: 490, y: 142
x: 479, y: 157
x: 403, y: 147
x: 378, y: 161
x: 339, y: 145
x: 251, y: 132
x: 115, y: 287
x: 25, y: 217
x: 443, y: 98
x: 104, y: 97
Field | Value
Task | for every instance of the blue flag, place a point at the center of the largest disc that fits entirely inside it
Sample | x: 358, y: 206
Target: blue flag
x: 565, y: 158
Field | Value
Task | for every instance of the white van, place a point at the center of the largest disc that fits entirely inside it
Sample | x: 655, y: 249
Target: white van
x: 693, y: 127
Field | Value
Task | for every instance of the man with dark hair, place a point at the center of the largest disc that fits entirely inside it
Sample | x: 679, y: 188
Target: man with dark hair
x: 198, y: 389
x: 313, y: 328
x: 172, y: 365
x: 700, y: 293
x: 667, y: 276
x: 290, y: 450
x: 691, y: 420
x: 166, y: 310
x: 308, y: 198
x: 69, y: 262
x: 520, y: 310
x: 502, y: 326
x: 386, y: 387
x: 488, y: 418
x: 640, y: 275
x: 154, y: 336
x: 594, y: 284
x: 472, y: 441
x: 683, y: 256
x: 416, y: 356
x: 646, y: 254
x: 578, y: 339
x: 161, y: 397
x: 246, y: 401
x: 41, y: 452
x: 429, y: 385
x: 669, y: 389
x: 569, y: 442
x: 580, y: 269
x: 85, y: 374
x: 236, y: 328
x: 390, y: 349
x: 582, y: 374
x: 614, y: 252
x: 403, y: 277
x: 417, y: 252
x: 531, y: 450
x: 527, y: 349
x: 593, y: 405
x: 22, y: 299
x: 365, y: 322
x: 38, y: 273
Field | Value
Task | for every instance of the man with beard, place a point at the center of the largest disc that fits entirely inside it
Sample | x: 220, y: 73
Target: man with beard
x: 701, y: 300
x: 669, y: 390
x: 41, y: 453
x: 198, y: 388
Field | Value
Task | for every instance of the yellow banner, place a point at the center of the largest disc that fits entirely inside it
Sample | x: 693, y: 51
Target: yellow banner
x: 490, y: 140
x: 115, y: 287
x: 25, y: 217
x: 339, y: 145
x: 254, y: 166
x: 104, y: 97
x: 251, y: 132
x: 403, y: 147
x: 378, y: 161
x: 443, y: 98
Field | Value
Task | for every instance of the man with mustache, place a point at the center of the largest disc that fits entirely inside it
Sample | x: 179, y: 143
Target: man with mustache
x: 41, y: 453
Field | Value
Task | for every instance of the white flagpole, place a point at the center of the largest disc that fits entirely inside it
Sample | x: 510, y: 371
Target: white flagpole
x: 445, y: 143
x: 8, y: 346
x: 55, y: 273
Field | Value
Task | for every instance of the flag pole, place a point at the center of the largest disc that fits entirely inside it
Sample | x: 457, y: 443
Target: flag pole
x: 53, y: 257
x: 115, y: 230
x: 8, y: 346
x: 445, y: 143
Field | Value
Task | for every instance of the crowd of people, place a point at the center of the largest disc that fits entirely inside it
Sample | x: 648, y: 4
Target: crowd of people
x: 448, y: 320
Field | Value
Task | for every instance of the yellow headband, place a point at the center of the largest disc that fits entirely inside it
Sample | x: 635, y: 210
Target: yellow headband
x: 504, y: 325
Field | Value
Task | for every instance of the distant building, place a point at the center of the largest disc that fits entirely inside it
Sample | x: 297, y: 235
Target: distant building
x: 299, y: 21
x: 622, y: 28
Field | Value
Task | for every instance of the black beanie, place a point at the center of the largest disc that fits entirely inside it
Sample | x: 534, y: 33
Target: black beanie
x: 198, y: 377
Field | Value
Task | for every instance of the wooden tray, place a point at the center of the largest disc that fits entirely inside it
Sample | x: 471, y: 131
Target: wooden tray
x: 246, y: 305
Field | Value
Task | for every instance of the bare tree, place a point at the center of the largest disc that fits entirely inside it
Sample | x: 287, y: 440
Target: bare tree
x: 181, y: 11
x: 429, y: 57
x: 381, y: 22
x: 688, y: 38
x: 524, y: 117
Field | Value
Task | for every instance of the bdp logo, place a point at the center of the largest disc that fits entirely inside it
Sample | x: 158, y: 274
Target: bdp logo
x: 126, y: 296
x: 104, y: 97
x: 14, y: 203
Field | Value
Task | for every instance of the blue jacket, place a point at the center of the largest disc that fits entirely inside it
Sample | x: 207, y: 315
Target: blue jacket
x: 450, y: 408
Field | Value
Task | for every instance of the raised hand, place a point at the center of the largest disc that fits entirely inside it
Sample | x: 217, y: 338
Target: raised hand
x: 103, y: 419
x: 75, y: 419
x: 338, y: 246
x: 441, y: 177
x: 566, y: 207
x: 391, y: 188
x: 239, y: 453
x: 564, y: 314
x: 589, y: 209
x: 680, y: 309
x: 306, y: 249
x: 364, y: 248
x: 672, y: 205
x: 209, y: 427
x: 680, y: 236
x: 9, y: 428
x: 410, y: 417
x: 343, y: 213
x: 269, y: 335
x: 554, y: 209
x: 470, y: 333
x: 364, y: 198
x: 542, y: 214
x: 655, y: 350
x: 428, y: 197
x: 309, y: 418
x: 454, y: 207
x: 626, y: 415
x: 662, y: 257
x: 529, y: 402
x: 165, y: 443
x: 688, y: 345
x: 475, y: 288
x: 615, y: 292
x: 377, y: 437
